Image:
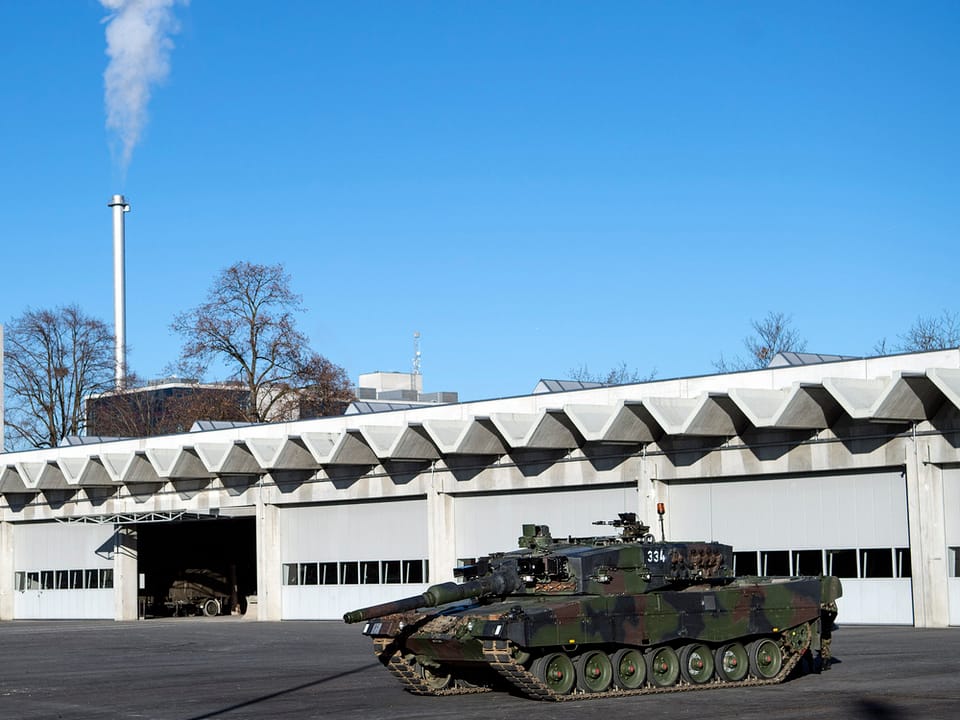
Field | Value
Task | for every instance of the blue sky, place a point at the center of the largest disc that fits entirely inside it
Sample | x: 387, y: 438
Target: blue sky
x: 533, y: 186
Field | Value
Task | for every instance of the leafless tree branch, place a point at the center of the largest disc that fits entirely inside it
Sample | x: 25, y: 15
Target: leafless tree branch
x: 248, y: 322
x: 773, y: 334
x: 53, y: 360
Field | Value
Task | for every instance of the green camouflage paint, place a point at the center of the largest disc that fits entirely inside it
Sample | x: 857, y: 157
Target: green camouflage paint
x: 593, y: 600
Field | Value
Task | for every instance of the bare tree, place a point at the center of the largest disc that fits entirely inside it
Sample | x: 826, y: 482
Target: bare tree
x: 881, y: 347
x: 617, y: 375
x: 327, y: 389
x: 928, y: 332
x: 773, y: 334
x: 247, y: 322
x: 935, y: 332
x: 54, y: 359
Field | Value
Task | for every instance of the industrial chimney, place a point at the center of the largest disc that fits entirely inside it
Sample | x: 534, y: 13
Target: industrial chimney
x: 120, y: 206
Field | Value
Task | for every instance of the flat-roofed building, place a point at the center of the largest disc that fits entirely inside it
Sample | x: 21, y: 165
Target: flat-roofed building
x: 849, y: 466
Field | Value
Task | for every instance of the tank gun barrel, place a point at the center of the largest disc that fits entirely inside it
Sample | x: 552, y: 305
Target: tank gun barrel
x: 498, y: 583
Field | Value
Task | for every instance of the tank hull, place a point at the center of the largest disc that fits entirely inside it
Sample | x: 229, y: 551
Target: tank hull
x: 595, y: 617
x: 740, y: 610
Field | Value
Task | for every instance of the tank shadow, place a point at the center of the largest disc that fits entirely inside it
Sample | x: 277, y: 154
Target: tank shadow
x: 875, y: 710
x: 281, y: 693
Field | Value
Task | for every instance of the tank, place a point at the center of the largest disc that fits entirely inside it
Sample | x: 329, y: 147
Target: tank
x: 581, y: 618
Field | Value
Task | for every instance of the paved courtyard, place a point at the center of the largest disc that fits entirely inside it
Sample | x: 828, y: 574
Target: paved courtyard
x: 196, y: 668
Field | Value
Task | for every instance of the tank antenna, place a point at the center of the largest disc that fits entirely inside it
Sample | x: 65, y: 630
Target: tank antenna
x: 661, y: 511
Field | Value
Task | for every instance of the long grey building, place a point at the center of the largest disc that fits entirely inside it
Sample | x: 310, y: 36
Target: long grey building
x: 850, y: 467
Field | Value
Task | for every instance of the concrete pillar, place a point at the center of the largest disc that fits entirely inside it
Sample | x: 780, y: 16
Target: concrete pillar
x: 441, y: 531
x: 650, y: 491
x: 6, y: 571
x: 269, y: 604
x: 927, y: 537
x: 126, y: 579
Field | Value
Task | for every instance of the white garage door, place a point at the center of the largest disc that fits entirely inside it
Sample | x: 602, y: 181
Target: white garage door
x: 63, y: 571
x: 345, y: 556
x: 850, y: 525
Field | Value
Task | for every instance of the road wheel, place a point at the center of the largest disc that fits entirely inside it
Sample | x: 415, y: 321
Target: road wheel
x: 594, y: 671
x: 629, y: 669
x: 696, y: 664
x: 556, y: 671
x: 663, y: 666
x: 731, y: 661
x: 210, y: 607
x: 766, y: 658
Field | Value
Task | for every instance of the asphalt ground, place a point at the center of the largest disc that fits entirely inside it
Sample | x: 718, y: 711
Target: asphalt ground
x: 227, y: 668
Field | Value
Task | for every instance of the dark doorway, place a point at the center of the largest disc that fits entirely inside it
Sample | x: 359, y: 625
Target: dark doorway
x: 192, y: 567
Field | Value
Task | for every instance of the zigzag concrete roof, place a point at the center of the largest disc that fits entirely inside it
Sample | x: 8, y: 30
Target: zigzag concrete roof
x: 901, y: 388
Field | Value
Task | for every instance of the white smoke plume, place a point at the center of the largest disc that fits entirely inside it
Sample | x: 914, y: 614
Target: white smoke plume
x: 138, y: 45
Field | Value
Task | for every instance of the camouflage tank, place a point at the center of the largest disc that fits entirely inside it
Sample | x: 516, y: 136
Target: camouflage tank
x: 604, y: 616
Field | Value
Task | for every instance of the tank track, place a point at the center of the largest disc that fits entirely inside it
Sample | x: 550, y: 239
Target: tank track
x: 408, y: 673
x: 500, y: 658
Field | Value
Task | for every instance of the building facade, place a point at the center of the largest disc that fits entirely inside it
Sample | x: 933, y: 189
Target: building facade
x: 849, y: 467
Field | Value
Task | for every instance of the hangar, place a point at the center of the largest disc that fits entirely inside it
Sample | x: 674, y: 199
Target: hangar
x: 850, y: 467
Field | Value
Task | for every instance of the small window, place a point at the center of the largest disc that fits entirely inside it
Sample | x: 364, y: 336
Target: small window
x: 290, y: 574
x: 745, y: 563
x: 876, y: 563
x: 807, y: 562
x: 33, y: 581
x: 76, y: 579
x: 62, y: 580
x: 350, y: 573
x: 776, y: 562
x: 91, y: 579
x: 414, y: 571
x: 903, y: 562
x: 391, y: 571
x: 370, y: 572
x: 328, y: 573
x: 308, y: 573
x: 46, y: 579
x: 842, y: 563
x: 20, y: 581
x: 106, y: 578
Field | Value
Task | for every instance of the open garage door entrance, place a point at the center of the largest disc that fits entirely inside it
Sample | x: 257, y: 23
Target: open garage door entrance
x: 196, y: 566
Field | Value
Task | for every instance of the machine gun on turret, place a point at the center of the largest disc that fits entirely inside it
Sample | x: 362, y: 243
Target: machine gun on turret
x: 631, y: 529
